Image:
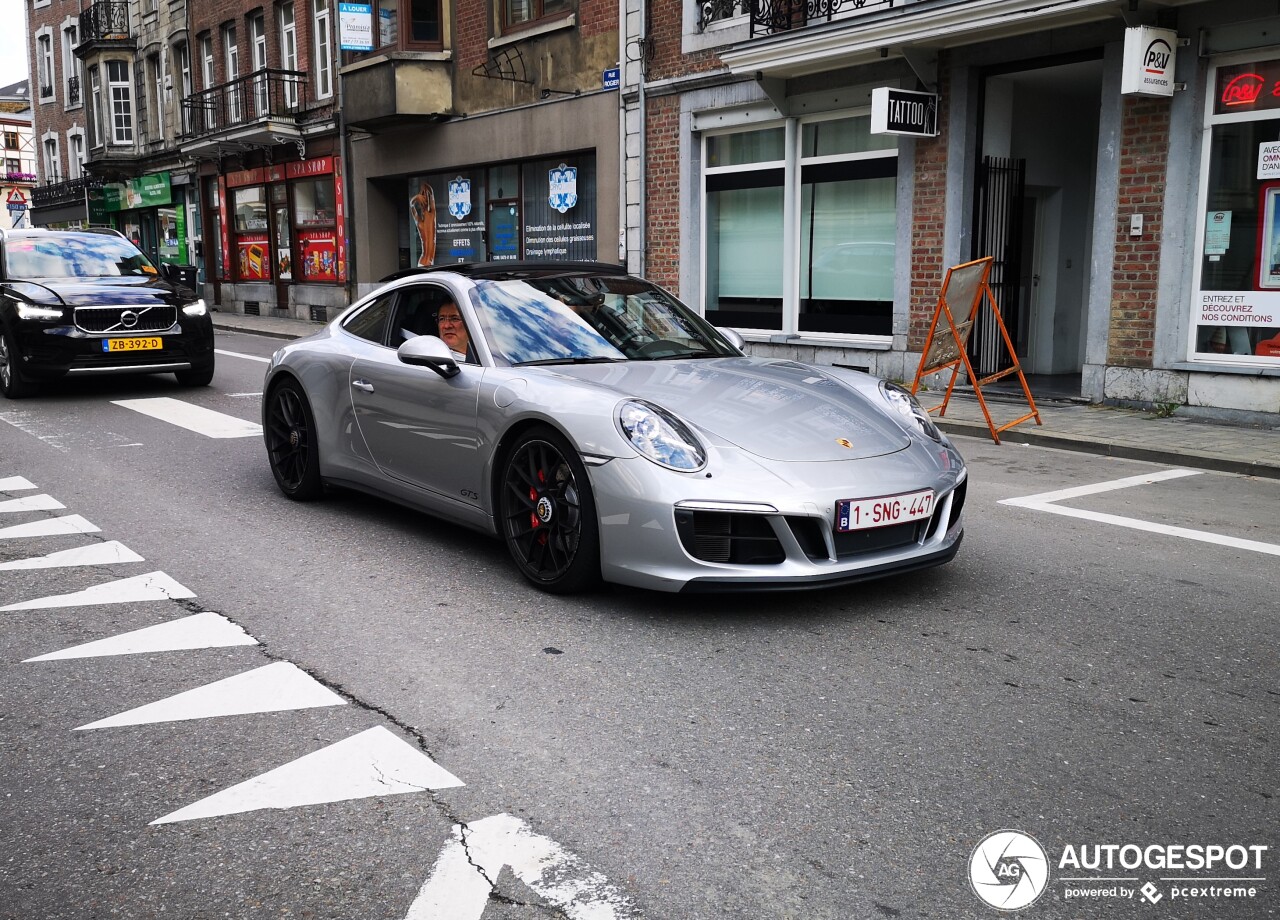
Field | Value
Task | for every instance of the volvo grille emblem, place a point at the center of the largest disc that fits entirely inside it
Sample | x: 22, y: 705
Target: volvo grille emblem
x: 128, y: 319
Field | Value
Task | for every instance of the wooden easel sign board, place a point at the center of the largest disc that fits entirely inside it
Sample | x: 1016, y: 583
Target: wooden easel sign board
x: 965, y: 288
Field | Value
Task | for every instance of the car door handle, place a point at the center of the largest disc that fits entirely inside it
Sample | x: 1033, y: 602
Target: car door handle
x: 362, y: 385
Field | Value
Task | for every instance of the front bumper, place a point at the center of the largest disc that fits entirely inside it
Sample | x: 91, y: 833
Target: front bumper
x: 641, y: 542
x: 49, y: 352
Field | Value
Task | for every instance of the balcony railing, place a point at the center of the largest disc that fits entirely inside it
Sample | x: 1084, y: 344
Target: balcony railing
x: 265, y: 95
x: 105, y: 21
x: 58, y: 193
x: 769, y: 17
x: 710, y: 11
x: 73, y: 90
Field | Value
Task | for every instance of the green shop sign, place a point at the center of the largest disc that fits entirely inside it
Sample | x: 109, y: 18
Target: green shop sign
x: 142, y: 192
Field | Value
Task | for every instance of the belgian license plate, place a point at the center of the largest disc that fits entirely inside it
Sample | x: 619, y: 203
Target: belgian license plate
x: 133, y: 343
x: 865, y: 513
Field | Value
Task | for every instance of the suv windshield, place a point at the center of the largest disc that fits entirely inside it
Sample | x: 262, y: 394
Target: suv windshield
x: 576, y: 319
x: 73, y: 255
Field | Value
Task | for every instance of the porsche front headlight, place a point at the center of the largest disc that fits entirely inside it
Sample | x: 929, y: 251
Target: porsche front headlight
x: 660, y: 436
x: 905, y: 405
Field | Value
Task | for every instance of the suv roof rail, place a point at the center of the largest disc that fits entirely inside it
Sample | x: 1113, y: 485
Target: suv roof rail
x: 511, y: 269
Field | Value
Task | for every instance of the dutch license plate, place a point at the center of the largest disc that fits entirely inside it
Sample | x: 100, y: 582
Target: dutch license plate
x: 133, y: 343
x: 863, y: 514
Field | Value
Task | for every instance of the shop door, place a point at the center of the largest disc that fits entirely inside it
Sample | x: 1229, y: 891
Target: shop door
x: 997, y: 233
x: 502, y: 230
x: 282, y: 244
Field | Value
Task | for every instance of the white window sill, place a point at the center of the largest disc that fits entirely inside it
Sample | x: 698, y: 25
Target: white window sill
x: 568, y: 22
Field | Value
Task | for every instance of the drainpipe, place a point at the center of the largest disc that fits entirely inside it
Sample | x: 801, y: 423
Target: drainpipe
x: 641, y: 235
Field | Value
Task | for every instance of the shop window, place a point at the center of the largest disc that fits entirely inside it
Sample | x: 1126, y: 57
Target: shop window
x: 1236, y: 314
x: 313, y: 202
x: 845, y: 229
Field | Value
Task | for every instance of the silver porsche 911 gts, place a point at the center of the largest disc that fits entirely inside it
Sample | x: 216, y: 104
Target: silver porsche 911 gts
x: 604, y: 430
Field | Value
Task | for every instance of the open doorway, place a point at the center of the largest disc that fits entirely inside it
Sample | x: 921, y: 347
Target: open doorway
x: 1044, y: 120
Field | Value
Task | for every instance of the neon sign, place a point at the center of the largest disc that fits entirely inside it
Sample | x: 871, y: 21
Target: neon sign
x: 1248, y: 87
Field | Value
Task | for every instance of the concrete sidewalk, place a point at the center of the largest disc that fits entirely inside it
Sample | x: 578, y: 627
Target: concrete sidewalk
x: 1117, y: 432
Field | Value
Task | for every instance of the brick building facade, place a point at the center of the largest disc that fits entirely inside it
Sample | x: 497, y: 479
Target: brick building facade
x: 1134, y: 231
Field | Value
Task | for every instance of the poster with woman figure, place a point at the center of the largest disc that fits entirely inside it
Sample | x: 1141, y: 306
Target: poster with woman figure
x: 422, y: 208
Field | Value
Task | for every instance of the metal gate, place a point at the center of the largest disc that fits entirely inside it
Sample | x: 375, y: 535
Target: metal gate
x: 997, y: 232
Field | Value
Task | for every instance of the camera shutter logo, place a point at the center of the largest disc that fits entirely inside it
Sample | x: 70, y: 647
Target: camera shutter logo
x: 1009, y: 870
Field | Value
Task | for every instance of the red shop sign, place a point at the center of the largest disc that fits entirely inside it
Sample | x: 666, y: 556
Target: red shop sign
x: 317, y: 167
x: 1251, y: 87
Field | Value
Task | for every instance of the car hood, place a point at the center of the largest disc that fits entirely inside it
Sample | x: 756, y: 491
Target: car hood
x: 779, y: 410
x: 114, y: 292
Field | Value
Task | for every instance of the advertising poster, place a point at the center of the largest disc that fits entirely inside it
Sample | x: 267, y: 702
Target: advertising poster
x: 254, y: 260
x: 318, y: 250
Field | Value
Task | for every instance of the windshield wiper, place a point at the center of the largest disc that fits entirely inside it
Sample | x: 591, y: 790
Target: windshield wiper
x: 593, y: 359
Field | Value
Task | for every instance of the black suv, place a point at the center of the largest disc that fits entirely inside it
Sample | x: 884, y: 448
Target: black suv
x: 76, y: 302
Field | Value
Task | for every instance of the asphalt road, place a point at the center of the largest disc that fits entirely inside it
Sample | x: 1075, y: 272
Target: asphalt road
x: 1093, y: 669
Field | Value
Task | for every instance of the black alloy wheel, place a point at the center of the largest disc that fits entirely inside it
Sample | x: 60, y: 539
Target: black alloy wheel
x: 12, y: 384
x: 549, y: 514
x: 291, y: 442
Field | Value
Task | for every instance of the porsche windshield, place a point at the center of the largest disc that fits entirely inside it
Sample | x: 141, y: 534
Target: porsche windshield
x: 73, y: 255
x: 577, y: 319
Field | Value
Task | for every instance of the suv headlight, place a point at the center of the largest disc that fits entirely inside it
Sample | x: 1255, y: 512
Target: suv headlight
x: 905, y: 405
x: 660, y: 436
x: 31, y: 311
x: 195, y: 308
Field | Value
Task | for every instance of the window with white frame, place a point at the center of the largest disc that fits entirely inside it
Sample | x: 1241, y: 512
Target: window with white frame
x: 155, y: 77
x: 120, y: 96
x: 97, y: 119
x: 1235, y: 313
x: 322, y: 53
x: 71, y: 89
x: 44, y: 63
x: 52, y: 160
x: 231, y: 52
x: 75, y: 153
x: 182, y: 62
x: 258, y: 50
x: 841, y: 234
x: 207, y: 114
x: 289, y: 51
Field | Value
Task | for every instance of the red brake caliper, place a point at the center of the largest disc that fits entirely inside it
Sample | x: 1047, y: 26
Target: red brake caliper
x: 533, y: 515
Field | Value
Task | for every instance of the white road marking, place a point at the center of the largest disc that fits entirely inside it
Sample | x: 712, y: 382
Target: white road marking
x: 38, y: 426
x: 372, y: 763
x: 15, y: 484
x: 236, y: 354
x: 1078, y: 491
x: 49, y: 527
x: 1046, y: 501
x: 465, y: 872
x: 275, y: 687
x: 93, y: 554
x: 31, y: 503
x: 200, y: 630
x: 154, y: 586
x: 254, y: 395
x: 192, y: 417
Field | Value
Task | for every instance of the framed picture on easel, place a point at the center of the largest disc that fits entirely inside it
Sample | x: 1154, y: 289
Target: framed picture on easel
x: 1268, y: 278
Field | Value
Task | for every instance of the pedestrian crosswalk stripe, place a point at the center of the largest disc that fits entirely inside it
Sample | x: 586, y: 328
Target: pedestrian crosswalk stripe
x: 372, y: 763
x: 274, y: 687
x: 192, y: 417
x: 200, y: 630
x: 49, y: 527
x: 31, y: 503
x: 15, y: 484
x: 93, y: 554
x: 154, y: 586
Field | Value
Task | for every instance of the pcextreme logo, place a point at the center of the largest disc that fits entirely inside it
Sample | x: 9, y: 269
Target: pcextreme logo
x: 1010, y: 870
